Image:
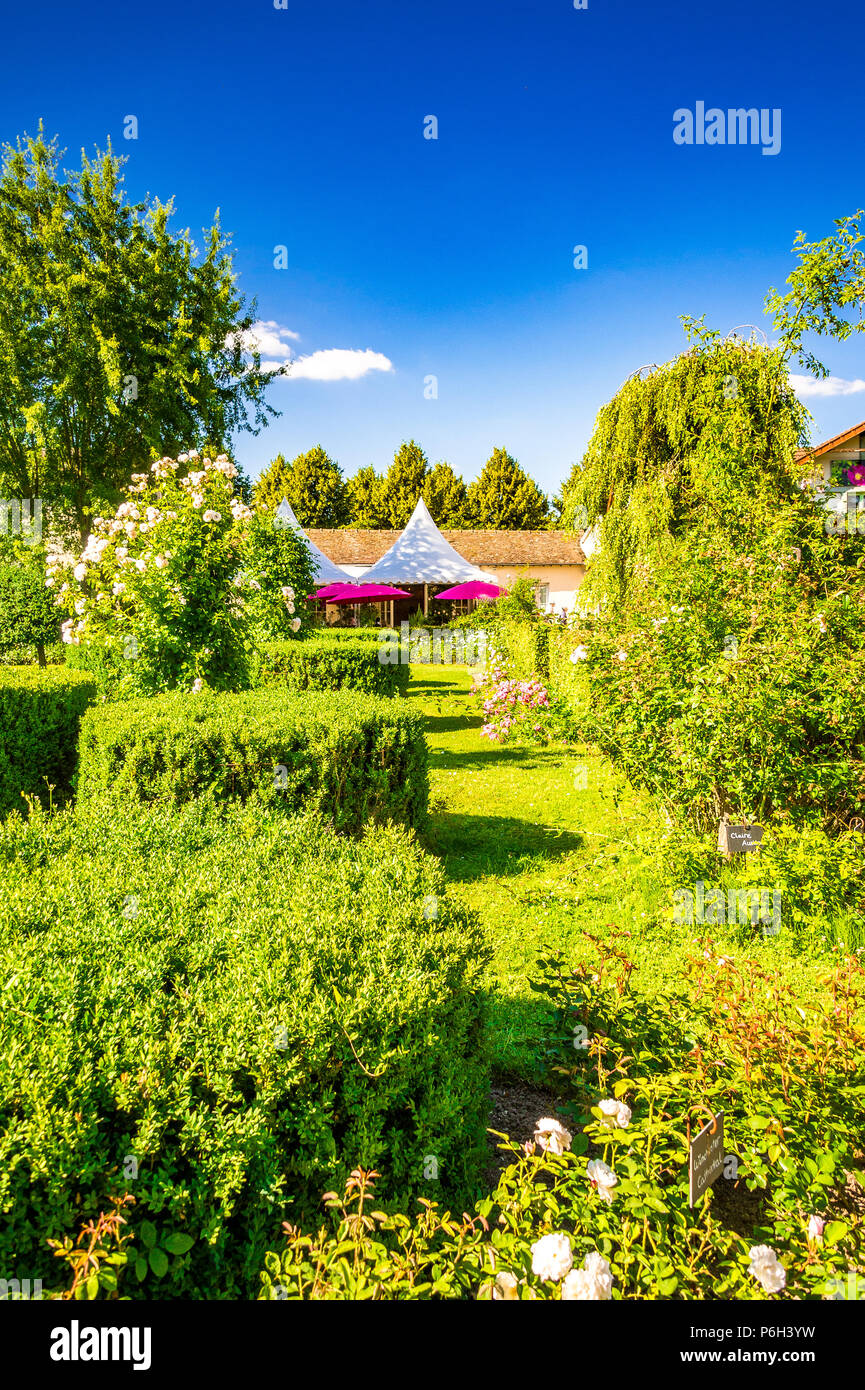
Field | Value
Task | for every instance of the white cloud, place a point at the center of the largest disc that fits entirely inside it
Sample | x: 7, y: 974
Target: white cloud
x: 339, y: 364
x: 828, y: 386
x: 328, y: 364
x: 268, y: 338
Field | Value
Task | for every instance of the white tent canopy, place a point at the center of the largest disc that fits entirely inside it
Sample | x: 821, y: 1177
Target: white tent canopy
x: 421, y: 555
x: 326, y: 572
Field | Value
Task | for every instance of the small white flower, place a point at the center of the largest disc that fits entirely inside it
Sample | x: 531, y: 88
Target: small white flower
x: 295, y: 624
x: 506, y: 1286
x: 552, y: 1136
x: 551, y: 1257
x: 160, y: 562
x: 80, y: 606
x: 211, y: 515
x: 49, y: 582
x: 141, y: 564
x: 602, y: 1178
x: 592, y: 1283
x: 579, y: 654
x: 117, y: 589
x: 198, y: 499
x: 80, y: 571
x: 766, y: 1268
x: 621, y: 656
x: 197, y: 684
x: 616, y: 1115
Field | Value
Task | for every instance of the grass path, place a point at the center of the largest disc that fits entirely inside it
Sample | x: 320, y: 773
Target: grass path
x: 535, y: 852
x: 544, y: 843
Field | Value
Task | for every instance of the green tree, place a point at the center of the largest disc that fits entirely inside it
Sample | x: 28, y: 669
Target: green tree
x: 278, y: 559
x: 315, y: 488
x: 119, y: 340
x: 272, y: 485
x: 446, y: 496
x: 404, y: 483
x: 504, y: 497
x: 28, y: 612
x: 366, y: 495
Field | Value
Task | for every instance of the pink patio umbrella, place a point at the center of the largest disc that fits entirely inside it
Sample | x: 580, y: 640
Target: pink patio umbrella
x: 368, y: 593
x: 329, y: 591
x: 476, y: 588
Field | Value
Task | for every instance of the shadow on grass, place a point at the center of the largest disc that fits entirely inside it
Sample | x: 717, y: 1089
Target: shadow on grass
x: 474, y: 846
x: 529, y: 759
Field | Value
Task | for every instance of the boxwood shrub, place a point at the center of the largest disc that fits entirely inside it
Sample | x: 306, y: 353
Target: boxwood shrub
x: 222, y: 1016
x: 40, y: 711
x: 351, y: 757
x: 322, y: 663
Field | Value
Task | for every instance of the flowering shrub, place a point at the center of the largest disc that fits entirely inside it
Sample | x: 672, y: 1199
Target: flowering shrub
x: 603, y: 1212
x: 515, y: 710
x: 156, y: 601
x: 277, y: 575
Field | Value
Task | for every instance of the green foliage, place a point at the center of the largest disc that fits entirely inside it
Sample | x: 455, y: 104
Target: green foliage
x: 278, y: 574
x: 447, y: 497
x: 826, y: 288
x: 313, y: 485
x: 504, y: 497
x: 641, y: 1076
x: 28, y: 615
x: 272, y: 485
x: 40, y: 711
x: 368, y: 499
x: 325, y: 664
x: 157, y: 598
x: 221, y: 1017
x: 722, y: 671
x: 350, y: 757
x: 404, y: 483
x: 119, y: 342
x: 707, y: 441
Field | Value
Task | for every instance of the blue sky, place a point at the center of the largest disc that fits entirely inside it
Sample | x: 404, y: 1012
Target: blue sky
x: 454, y: 257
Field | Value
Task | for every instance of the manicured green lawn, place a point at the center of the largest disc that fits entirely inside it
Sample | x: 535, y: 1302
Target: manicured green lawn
x: 541, y: 857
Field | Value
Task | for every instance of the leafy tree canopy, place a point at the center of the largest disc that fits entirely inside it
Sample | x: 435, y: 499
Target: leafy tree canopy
x: 446, y: 496
x: 504, y: 497
x: 366, y: 492
x: 312, y: 483
x: 404, y: 483
x: 119, y: 340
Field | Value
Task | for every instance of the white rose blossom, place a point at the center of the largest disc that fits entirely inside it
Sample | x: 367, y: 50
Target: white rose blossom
x: 506, y: 1286
x: 579, y: 653
x: 551, y: 1257
x: 592, y: 1283
x: 552, y: 1137
x: 766, y: 1268
x: 295, y: 624
x: 602, y: 1178
x: 616, y: 1115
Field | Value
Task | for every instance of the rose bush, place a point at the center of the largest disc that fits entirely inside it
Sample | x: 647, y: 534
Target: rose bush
x: 171, y: 591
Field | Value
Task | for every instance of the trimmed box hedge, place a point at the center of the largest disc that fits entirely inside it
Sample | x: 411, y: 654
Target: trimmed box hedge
x: 322, y: 663
x: 222, y: 1017
x: 351, y: 757
x: 40, y: 713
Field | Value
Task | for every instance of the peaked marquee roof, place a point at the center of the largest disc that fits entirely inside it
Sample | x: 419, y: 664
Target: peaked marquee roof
x: 326, y: 572
x: 421, y: 555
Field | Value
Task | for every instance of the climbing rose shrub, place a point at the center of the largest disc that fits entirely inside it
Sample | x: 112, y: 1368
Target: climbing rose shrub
x: 515, y: 710
x: 156, y: 600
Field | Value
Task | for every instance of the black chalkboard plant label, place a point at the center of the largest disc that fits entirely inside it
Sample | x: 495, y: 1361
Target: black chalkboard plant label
x: 706, y: 1158
x: 738, y: 839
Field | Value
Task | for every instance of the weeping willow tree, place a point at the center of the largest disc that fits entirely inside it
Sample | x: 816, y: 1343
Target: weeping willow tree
x: 702, y: 441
